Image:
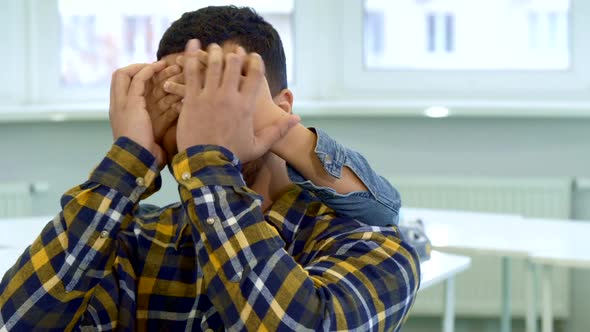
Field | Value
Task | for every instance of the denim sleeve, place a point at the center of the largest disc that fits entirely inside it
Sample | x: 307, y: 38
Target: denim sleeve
x: 378, y: 207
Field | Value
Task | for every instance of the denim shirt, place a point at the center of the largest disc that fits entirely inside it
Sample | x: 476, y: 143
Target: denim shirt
x: 378, y: 207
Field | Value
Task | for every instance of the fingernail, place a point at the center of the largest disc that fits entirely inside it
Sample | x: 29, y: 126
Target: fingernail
x: 192, y: 46
x: 166, y: 86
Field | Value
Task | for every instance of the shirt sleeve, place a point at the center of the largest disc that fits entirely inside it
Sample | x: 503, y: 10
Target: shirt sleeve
x: 378, y: 206
x: 352, y: 276
x: 49, y: 286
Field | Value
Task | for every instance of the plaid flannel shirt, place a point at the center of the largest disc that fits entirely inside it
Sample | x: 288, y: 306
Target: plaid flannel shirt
x: 213, y: 261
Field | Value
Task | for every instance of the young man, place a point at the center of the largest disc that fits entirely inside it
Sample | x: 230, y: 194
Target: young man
x: 226, y: 256
x: 340, y: 177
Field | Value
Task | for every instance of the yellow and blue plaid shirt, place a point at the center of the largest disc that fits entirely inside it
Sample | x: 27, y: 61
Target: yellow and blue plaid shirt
x: 213, y: 261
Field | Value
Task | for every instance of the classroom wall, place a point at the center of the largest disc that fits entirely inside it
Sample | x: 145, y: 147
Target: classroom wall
x: 63, y: 153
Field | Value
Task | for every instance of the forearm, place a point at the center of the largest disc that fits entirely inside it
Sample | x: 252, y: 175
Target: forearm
x: 342, y: 178
x: 298, y: 149
x: 60, y: 269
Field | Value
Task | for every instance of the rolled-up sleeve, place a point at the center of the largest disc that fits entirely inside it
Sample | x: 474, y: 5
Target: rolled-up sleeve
x: 378, y: 206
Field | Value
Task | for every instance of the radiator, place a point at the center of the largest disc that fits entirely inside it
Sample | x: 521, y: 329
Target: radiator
x: 15, y: 199
x: 479, y: 288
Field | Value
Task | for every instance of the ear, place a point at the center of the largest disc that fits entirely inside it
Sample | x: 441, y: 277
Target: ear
x: 285, y: 100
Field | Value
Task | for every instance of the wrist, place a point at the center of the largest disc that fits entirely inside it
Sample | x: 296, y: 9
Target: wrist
x: 299, y: 141
x: 129, y: 169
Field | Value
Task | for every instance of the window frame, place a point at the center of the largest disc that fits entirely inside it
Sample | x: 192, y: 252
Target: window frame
x: 512, y: 89
x: 45, y: 65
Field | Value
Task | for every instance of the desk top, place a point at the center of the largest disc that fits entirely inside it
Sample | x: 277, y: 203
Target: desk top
x: 442, y: 266
x: 22, y: 231
x: 547, y: 241
x: 482, y: 233
x: 7, y: 259
x: 566, y: 244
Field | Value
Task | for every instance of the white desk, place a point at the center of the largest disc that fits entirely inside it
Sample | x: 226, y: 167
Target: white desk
x: 21, y: 232
x: 7, y: 258
x: 15, y: 235
x: 545, y: 242
x: 443, y: 268
x: 566, y: 244
x: 479, y: 233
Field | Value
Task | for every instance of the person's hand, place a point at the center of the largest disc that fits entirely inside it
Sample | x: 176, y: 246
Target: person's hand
x: 163, y: 107
x: 219, y: 106
x: 127, y: 112
x: 267, y: 111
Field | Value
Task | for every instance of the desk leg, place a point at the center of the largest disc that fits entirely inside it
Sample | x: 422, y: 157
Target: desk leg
x: 506, y: 323
x: 547, y: 299
x: 531, y: 296
x: 449, y: 316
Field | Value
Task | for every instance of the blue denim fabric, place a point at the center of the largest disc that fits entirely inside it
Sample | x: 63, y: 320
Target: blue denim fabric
x: 378, y: 207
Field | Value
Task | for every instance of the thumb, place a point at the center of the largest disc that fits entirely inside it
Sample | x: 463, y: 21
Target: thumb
x: 266, y: 137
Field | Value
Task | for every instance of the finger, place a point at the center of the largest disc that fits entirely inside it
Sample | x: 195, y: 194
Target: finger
x: 180, y: 61
x: 174, y: 88
x: 177, y: 106
x: 232, y: 71
x: 167, y: 73
x: 265, y: 138
x: 164, y: 122
x: 138, y: 83
x: 192, y: 74
x: 167, y: 102
x: 178, y: 78
x: 214, y: 67
x: 202, y: 56
x: 120, y: 84
x: 254, y: 76
x: 158, y: 92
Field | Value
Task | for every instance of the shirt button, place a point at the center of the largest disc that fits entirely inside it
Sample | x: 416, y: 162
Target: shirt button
x: 210, y: 220
x: 186, y: 176
x: 140, y: 182
x: 104, y: 234
x: 328, y: 160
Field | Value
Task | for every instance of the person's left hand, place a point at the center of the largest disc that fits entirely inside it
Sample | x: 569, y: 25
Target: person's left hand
x: 219, y: 106
x: 267, y: 112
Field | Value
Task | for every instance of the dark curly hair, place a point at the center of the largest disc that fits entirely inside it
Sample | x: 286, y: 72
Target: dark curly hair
x: 241, y: 25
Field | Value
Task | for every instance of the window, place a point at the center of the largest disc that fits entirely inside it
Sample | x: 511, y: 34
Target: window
x: 473, y: 35
x: 98, y: 37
